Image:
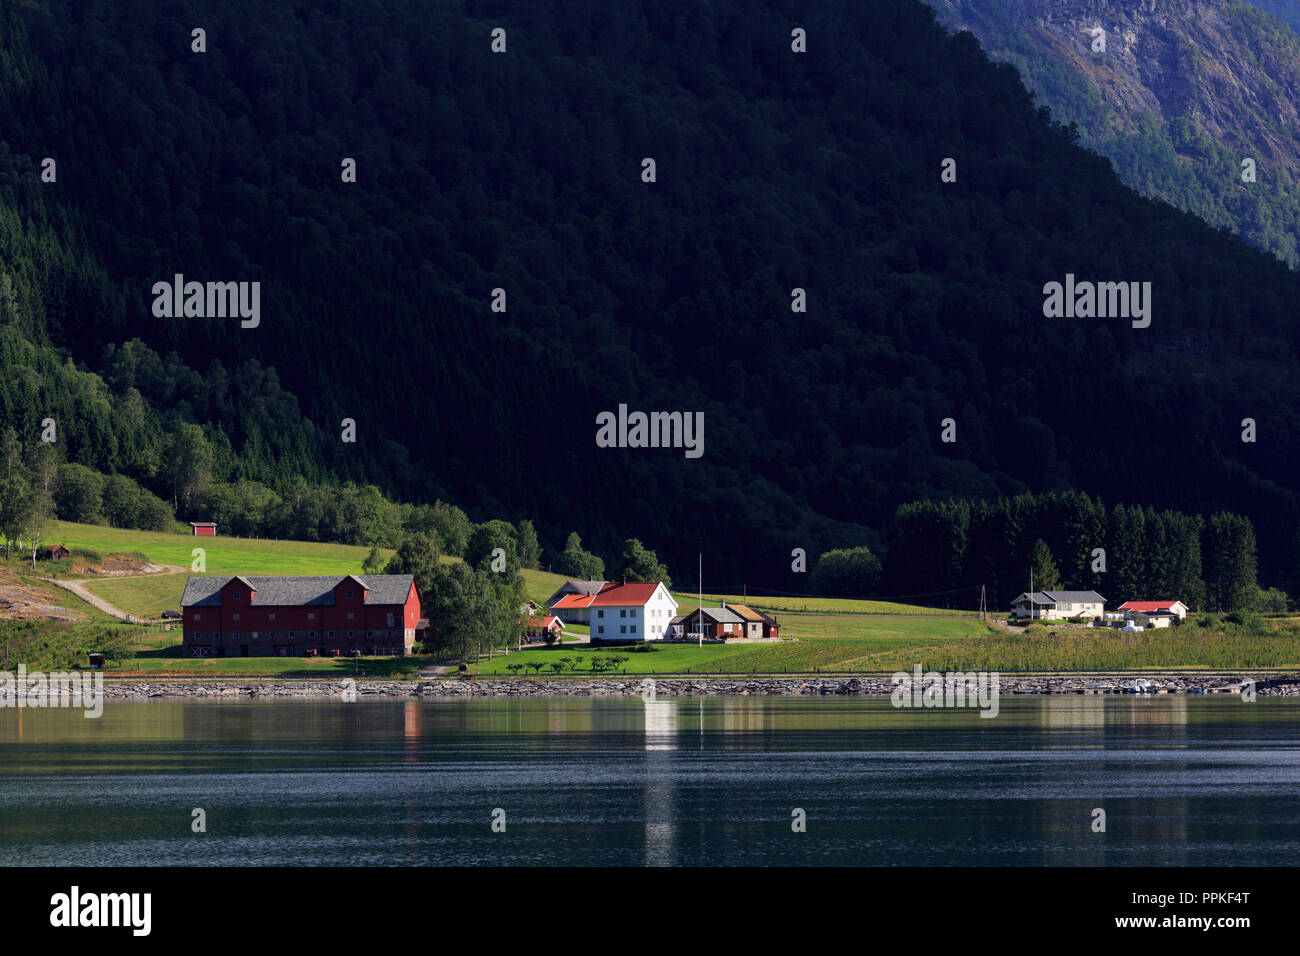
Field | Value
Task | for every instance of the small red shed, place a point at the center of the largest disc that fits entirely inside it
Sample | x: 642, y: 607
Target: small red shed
x: 204, y: 528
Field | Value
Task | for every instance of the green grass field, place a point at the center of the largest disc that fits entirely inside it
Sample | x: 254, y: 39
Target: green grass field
x: 149, y: 595
x: 829, y: 634
x: 777, y: 605
x: 223, y: 555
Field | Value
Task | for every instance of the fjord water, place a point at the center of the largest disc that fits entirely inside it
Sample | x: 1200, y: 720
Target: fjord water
x: 1183, y: 780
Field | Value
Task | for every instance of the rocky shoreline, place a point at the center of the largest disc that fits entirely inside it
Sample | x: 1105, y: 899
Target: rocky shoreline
x: 236, y: 689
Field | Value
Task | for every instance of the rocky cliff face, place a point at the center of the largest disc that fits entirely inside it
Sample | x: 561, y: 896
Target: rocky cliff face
x: 1213, y: 63
x: 1177, y: 93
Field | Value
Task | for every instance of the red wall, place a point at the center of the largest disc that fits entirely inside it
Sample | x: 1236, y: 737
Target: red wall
x: 254, y: 617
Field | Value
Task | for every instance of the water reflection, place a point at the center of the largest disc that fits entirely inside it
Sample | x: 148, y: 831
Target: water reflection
x: 662, y: 725
x: 675, y: 781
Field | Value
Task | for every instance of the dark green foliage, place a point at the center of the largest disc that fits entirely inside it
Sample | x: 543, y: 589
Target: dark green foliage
x: 521, y: 172
x: 530, y: 551
x: 417, y: 555
x: 577, y: 563
x: 1044, y: 574
x: 846, y: 572
x: 639, y: 563
x: 1150, y: 555
x: 79, y: 494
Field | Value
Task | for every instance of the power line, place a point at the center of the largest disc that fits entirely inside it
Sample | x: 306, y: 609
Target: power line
x: 772, y: 592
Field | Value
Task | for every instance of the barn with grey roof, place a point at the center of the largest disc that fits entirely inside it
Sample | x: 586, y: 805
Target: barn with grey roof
x: 300, y: 615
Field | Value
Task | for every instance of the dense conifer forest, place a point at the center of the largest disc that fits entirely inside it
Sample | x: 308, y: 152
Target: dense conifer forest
x: 522, y: 171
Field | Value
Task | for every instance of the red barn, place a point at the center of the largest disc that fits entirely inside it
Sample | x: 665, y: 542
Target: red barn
x: 204, y: 529
x: 295, y: 616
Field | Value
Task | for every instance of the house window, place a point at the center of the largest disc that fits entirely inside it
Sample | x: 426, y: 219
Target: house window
x: 234, y: 595
x: 349, y: 595
x: 601, y: 629
x: 270, y: 617
x: 331, y: 635
x: 622, y: 612
x: 351, y: 615
x: 311, y: 615
x: 600, y: 614
x: 198, y: 616
x: 236, y: 617
x: 622, y: 629
x: 633, y: 628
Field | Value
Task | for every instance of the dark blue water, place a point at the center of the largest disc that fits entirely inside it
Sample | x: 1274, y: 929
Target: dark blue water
x: 671, y: 782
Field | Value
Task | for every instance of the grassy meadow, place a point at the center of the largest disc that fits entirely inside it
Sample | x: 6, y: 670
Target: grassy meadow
x: 822, y: 635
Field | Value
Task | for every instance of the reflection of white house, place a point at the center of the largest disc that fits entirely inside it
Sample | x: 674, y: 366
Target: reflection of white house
x: 1155, y: 613
x: 635, y: 611
x: 1059, y: 605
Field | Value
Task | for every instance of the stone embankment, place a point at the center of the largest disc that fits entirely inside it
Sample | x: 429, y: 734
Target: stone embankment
x: 242, y: 689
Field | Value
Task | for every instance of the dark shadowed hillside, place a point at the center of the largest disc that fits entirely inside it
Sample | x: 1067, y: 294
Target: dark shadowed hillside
x: 522, y: 171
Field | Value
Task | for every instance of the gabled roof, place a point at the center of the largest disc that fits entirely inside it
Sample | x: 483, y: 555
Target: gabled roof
x: 570, y: 601
x: 749, y: 614
x: 546, y: 622
x: 720, y: 615
x: 571, y: 587
x: 632, y: 594
x: 203, y: 524
x: 1148, y: 606
x: 297, y: 590
x: 1076, y: 597
x: 1038, y: 597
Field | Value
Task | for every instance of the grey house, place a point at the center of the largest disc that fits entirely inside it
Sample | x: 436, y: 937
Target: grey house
x: 1059, y: 605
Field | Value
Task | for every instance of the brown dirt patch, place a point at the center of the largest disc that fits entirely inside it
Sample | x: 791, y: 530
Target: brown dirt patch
x: 22, y: 602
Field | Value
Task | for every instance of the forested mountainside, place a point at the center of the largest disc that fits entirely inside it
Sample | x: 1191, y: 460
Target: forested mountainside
x: 1176, y: 93
x: 522, y: 171
x: 1288, y: 11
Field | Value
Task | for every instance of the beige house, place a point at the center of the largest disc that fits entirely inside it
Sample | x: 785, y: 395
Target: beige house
x: 1154, y: 613
x: 1059, y: 605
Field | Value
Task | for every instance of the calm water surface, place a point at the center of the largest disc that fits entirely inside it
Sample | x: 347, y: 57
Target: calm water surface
x: 669, y: 782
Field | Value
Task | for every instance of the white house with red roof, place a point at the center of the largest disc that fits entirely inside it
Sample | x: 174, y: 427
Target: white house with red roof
x: 1154, y: 613
x: 538, y: 627
x: 632, y: 611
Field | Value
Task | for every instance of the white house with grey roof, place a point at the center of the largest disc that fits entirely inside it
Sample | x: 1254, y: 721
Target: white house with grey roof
x: 1059, y: 605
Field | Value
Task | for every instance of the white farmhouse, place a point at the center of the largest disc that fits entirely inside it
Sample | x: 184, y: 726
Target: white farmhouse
x: 1059, y: 605
x: 635, y: 611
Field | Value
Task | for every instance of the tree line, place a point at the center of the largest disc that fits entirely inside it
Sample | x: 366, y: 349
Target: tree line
x: 1074, y: 542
